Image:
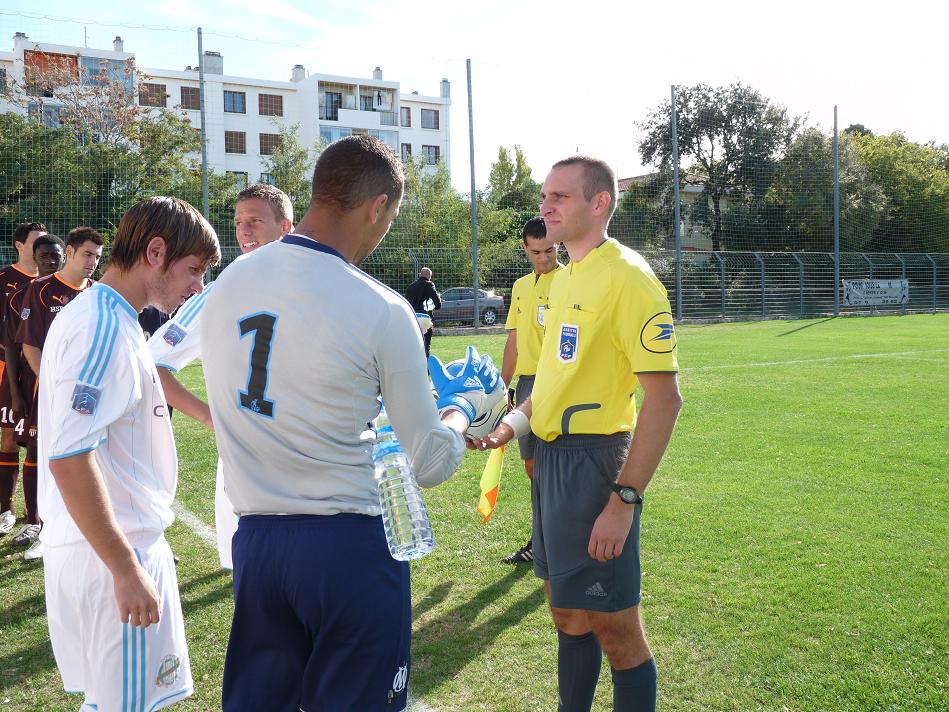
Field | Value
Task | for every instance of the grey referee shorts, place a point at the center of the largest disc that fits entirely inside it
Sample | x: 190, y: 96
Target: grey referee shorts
x: 569, y: 492
x: 525, y: 443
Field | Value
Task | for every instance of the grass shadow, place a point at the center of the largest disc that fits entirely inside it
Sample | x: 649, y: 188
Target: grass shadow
x: 23, y: 664
x: 443, y: 646
x: 807, y: 326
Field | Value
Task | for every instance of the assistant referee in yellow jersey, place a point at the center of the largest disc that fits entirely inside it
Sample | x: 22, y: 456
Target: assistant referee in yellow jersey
x: 608, y: 329
x: 525, y: 333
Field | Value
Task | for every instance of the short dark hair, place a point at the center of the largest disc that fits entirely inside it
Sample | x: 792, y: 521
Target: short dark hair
x: 535, y: 227
x: 23, y: 231
x: 82, y: 234
x: 272, y: 195
x: 598, y: 177
x: 47, y: 239
x: 177, y: 222
x: 354, y: 169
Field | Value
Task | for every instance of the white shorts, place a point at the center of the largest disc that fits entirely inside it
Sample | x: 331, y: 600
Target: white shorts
x: 117, y: 666
x: 225, y: 521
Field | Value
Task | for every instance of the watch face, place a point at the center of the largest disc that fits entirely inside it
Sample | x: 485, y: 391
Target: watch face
x: 628, y: 495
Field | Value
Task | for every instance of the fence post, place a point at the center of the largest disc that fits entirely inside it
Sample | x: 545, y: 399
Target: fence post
x: 902, y: 273
x: 933, y: 263
x: 677, y: 228
x: 800, y: 267
x: 764, y: 307
x: 474, y: 201
x: 415, y: 264
x: 721, y: 267
x: 836, y: 217
x: 204, y: 130
x: 869, y: 264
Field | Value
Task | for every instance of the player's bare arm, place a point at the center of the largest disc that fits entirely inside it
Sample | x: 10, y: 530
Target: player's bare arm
x: 33, y: 357
x: 12, y: 352
x: 657, y: 418
x: 87, y: 500
x: 504, y: 433
x: 182, y: 399
x: 509, y: 362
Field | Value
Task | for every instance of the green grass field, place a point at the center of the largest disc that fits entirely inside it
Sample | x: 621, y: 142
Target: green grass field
x: 794, y: 542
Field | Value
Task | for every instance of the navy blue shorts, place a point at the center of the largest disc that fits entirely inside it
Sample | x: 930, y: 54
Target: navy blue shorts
x: 322, y: 617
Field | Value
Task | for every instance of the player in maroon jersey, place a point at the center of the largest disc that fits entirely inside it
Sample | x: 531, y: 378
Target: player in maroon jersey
x: 20, y: 381
x: 12, y: 278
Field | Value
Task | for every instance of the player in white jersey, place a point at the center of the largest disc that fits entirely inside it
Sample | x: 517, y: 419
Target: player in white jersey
x: 262, y: 214
x: 108, y: 470
x: 294, y: 368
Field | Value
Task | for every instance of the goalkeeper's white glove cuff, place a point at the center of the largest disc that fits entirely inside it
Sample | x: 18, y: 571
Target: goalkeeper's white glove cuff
x: 517, y: 421
x: 454, y: 402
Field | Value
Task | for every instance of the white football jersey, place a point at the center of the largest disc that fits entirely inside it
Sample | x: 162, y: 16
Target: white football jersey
x: 99, y: 392
x: 178, y: 341
x: 298, y: 344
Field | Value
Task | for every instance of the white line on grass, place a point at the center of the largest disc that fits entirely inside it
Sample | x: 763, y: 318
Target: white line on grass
x: 204, y: 532
x: 207, y: 535
x: 759, y: 364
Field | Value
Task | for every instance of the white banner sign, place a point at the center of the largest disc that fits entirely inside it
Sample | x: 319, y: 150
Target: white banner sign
x: 874, y: 292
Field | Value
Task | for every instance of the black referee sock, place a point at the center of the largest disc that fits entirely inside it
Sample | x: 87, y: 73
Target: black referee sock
x: 634, y: 690
x: 579, y: 658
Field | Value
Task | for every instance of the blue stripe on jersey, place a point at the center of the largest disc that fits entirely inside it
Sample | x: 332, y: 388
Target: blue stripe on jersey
x: 111, y: 345
x: 141, y: 706
x: 194, y: 306
x: 95, y: 340
x: 132, y: 670
x: 125, y: 666
x: 102, y: 345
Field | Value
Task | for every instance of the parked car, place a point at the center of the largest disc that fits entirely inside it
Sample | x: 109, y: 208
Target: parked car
x: 458, y: 305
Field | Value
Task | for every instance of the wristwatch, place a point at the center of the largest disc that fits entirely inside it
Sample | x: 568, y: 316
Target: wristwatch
x: 629, y: 495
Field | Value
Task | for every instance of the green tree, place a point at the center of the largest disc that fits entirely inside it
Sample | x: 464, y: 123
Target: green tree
x: 291, y: 165
x: 642, y: 219
x: 732, y: 135
x: 915, y: 181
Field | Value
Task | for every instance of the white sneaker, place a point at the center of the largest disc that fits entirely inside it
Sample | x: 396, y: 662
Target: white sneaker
x: 7, y: 520
x: 27, y: 533
x: 34, y: 552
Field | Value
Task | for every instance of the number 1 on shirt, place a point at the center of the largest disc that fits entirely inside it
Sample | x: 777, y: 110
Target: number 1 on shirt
x: 262, y: 326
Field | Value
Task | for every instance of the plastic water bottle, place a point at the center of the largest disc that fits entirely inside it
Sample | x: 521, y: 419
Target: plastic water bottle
x: 404, y: 516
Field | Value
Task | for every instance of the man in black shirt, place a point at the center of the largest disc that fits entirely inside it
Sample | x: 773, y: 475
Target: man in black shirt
x: 424, y: 299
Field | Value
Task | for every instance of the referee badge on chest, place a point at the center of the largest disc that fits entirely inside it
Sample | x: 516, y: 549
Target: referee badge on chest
x: 569, y: 342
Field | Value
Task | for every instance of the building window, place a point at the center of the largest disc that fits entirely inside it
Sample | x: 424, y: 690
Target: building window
x: 99, y: 72
x: 235, y: 142
x: 334, y: 100
x: 268, y: 142
x: 191, y: 98
x: 267, y: 179
x: 406, y: 152
x: 270, y: 105
x: 405, y: 112
x: 46, y: 114
x: 429, y: 118
x: 3, y: 80
x: 240, y: 179
x: 152, y: 94
x: 333, y: 133
x: 235, y: 102
x: 431, y: 153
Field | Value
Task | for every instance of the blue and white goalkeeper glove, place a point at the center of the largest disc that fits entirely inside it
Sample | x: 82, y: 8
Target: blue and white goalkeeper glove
x: 473, y: 390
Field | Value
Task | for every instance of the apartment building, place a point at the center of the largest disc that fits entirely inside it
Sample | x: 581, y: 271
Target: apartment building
x: 244, y: 116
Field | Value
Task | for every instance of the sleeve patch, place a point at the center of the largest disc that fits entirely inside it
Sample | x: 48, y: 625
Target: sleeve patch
x: 174, y: 335
x: 658, y: 335
x: 85, y: 399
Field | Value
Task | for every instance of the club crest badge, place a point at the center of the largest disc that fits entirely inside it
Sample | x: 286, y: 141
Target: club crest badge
x: 85, y: 399
x: 25, y: 313
x: 400, y: 679
x: 174, y: 335
x: 168, y: 671
x: 569, y: 343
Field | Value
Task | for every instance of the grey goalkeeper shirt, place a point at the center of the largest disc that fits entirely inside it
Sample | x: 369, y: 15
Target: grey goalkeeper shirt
x: 298, y: 344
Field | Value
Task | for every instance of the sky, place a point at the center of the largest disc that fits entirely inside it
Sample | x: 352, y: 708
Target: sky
x: 553, y: 77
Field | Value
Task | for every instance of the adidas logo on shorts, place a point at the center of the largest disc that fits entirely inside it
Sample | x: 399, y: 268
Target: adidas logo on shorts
x: 596, y: 590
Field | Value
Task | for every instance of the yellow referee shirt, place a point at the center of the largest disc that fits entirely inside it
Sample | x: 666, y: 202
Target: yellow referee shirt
x: 609, y: 319
x: 529, y: 298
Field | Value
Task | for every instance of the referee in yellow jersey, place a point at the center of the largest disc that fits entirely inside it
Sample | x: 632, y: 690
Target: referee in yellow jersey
x: 608, y: 330
x: 525, y: 332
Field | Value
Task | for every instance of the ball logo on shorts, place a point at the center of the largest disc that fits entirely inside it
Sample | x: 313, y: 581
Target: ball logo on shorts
x: 401, y: 677
x: 168, y: 670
